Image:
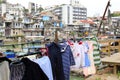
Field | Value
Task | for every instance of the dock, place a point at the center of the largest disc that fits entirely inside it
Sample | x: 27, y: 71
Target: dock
x: 113, y: 60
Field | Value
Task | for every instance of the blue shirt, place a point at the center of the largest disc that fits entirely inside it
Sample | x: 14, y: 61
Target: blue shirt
x: 55, y: 56
x: 67, y: 59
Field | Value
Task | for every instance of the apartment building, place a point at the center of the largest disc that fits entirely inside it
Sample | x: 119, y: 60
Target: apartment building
x: 12, y: 9
x: 70, y: 13
x: 12, y: 15
x: 33, y: 7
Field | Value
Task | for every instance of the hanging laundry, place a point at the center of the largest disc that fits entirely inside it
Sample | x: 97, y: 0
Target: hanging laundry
x: 45, y: 65
x: 4, y: 71
x: 33, y: 71
x: 67, y: 59
x: 91, y: 69
x: 4, y: 67
x: 80, y: 55
x: 55, y: 56
x: 86, y: 48
x: 96, y: 51
x: 62, y: 54
x: 17, y: 71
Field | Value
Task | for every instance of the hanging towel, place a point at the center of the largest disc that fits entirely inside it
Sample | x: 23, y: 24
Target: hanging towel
x: 4, y: 71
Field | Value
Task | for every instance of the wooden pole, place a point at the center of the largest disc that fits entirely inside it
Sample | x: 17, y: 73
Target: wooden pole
x: 56, y: 36
x: 108, y: 4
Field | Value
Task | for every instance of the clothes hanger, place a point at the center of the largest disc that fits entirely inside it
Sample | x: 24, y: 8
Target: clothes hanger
x: 16, y: 61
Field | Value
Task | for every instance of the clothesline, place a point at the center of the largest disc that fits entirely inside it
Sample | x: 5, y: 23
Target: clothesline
x: 63, y: 56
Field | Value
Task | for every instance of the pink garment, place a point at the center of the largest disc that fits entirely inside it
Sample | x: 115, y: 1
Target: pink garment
x: 91, y: 69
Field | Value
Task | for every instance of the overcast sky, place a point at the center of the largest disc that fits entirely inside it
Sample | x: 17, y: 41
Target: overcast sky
x: 94, y: 7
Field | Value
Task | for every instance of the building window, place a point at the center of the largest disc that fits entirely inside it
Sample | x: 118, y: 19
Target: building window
x: 38, y: 26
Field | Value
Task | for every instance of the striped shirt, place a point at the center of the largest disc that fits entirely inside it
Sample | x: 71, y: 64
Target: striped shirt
x: 96, y: 50
x: 67, y: 59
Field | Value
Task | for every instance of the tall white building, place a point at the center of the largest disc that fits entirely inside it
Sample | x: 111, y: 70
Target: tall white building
x: 69, y: 13
x: 3, y: 9
x: 33, y: 7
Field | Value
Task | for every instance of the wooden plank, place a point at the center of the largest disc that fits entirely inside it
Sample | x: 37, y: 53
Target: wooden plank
x: 115, y: 58
x: 115, y: 69
x: 112, y: 60
x: 106, y: 46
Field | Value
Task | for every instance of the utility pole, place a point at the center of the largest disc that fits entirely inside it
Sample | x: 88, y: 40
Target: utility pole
x: 108, y: 4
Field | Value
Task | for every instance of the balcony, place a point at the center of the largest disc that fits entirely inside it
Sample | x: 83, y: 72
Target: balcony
x: 32, y: 29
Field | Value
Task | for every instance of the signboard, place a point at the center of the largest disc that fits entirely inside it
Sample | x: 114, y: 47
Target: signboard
x: 46, y: 18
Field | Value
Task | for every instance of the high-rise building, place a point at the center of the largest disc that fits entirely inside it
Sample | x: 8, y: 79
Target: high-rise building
x: 31, y: 7
x: 3, y: 9
x: 69, y: 13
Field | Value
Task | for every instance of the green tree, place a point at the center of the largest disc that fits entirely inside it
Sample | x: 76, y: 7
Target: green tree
x: 72, y: 33
x: 115, y: 14
x: 40, y: 9
x: 25, y: 11
x: 2, y: 1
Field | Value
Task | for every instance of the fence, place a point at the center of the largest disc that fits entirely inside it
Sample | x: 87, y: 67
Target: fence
x: 110, y: 46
